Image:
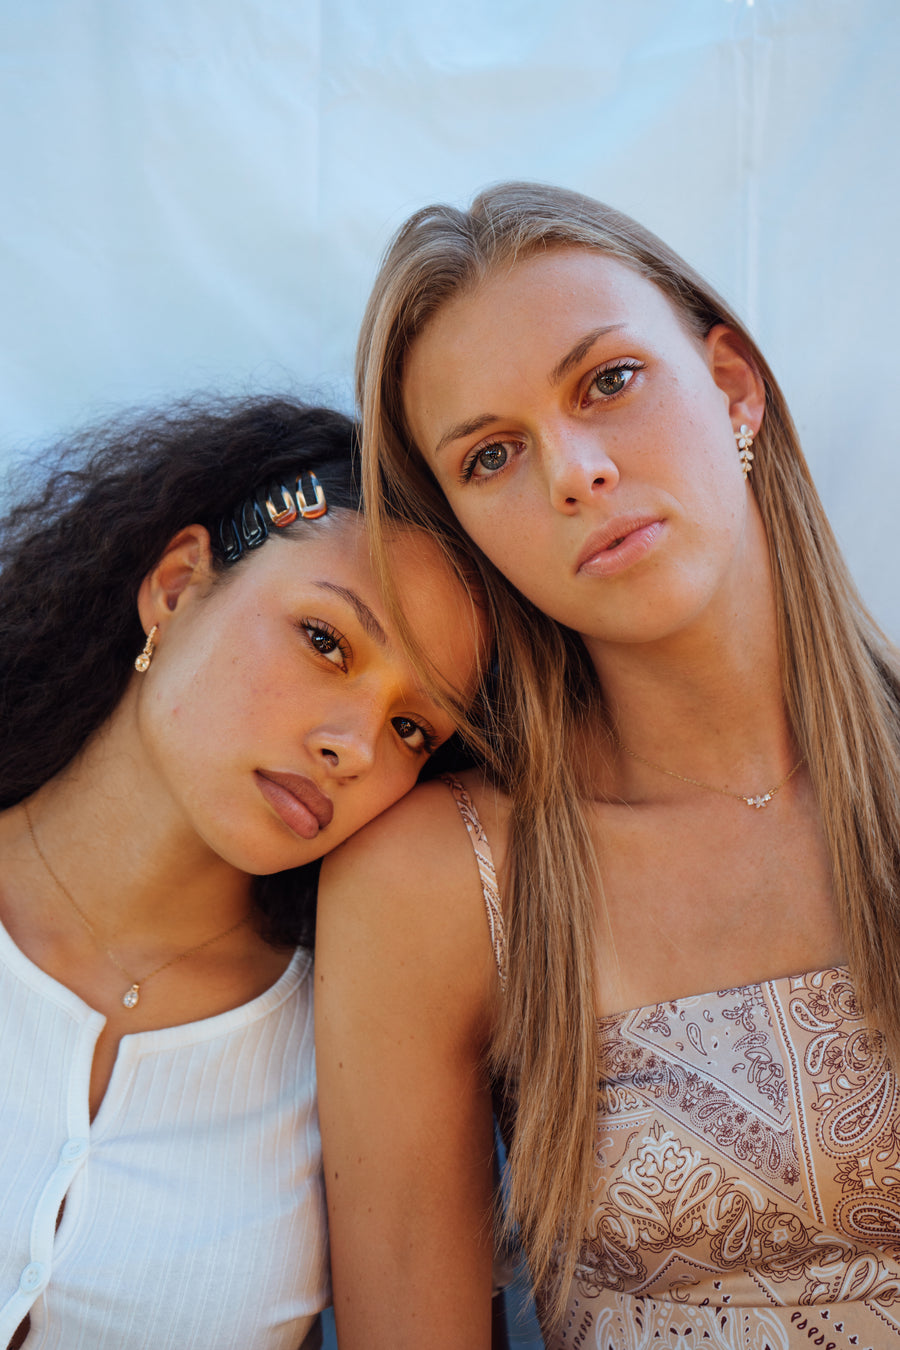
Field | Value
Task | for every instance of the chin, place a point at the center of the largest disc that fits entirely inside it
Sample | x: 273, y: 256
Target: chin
x: 661, y: 621
x: 260, y: 857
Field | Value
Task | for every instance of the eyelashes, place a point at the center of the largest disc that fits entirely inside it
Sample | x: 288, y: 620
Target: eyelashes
x: 327, y: 641
x: 408, y: 729
x: 611, y: 381
x: 491, y: 457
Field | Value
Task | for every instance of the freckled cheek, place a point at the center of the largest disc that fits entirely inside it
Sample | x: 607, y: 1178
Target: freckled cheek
x: 224, y: 686
x: 500, y: 522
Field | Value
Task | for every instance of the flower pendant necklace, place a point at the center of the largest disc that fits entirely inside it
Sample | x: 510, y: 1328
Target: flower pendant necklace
x: 758, y: 802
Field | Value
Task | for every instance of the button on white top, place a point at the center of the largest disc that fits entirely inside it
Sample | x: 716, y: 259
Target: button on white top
x: 32, y: 1277
x: 72, y: 1150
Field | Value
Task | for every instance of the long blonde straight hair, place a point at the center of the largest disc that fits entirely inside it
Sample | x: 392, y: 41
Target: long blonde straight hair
x: 840, y: 677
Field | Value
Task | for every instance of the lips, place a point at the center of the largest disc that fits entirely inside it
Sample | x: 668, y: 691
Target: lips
x: 302, y: 806
x: 621, y: 542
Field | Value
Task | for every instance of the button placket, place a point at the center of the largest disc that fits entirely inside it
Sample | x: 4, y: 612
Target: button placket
x: 33, y: 1277
x: 72, y: 1151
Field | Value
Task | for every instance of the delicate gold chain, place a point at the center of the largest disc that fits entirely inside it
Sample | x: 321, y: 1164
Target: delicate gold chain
x: 132, y: 995
x: 759, y: 802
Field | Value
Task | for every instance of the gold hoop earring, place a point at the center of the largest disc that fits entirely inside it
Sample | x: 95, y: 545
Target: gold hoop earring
x: 142, y: 662
x: 744, y: 439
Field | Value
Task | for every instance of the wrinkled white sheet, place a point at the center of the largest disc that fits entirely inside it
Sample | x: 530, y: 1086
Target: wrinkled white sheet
x: 195, y: 192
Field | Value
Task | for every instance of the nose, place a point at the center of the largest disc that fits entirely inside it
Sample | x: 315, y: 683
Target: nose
x: 578, y: 467
x: 348, y: 749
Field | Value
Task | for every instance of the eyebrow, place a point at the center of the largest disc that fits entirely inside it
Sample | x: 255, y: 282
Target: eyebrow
x: 580, y: 350
x: 463, y: 429
x: 365, y: 615
x: 577, y: 353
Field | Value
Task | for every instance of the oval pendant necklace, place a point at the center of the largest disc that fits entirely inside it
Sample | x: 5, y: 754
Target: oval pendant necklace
x: 132, y: 995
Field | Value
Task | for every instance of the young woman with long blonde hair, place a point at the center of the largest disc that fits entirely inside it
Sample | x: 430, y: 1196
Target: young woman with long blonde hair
x: 687, y: 992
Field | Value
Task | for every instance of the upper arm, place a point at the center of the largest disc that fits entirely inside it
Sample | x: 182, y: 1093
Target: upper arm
x: 405, y: 991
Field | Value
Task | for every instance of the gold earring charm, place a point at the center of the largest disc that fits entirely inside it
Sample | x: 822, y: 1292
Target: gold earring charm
x: 744, y: 439
x: 142, y: 662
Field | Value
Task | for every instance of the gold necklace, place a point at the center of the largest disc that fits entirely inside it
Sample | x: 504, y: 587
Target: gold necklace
x: 132, y: 995
x: 758, y: 802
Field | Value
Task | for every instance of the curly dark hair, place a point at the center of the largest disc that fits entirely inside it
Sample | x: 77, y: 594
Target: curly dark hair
x: 73, y: 552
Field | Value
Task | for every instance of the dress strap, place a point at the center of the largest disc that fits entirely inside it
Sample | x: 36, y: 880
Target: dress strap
x: 486, y: 871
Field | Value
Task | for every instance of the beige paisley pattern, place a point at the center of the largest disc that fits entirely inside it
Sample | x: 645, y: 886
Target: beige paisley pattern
x: 748, y: 1175
x: 748, y: 1155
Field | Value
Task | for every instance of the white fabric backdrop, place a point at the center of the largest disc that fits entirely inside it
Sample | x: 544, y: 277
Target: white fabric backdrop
x: 196, y: 192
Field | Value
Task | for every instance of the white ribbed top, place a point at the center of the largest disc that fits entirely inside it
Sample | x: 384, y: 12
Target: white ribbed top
x: 195, y: 1213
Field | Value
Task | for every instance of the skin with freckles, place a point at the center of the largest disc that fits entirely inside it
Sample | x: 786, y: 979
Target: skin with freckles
x: 602, y: 413
x: 584, y: 439
x: 162, y: 814
x: 290, y: 667
x: 278, y: 715
x: 563, y: 402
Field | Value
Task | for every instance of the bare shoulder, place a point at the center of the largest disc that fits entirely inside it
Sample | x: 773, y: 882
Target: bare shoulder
x: 406, y: 996
x: 419, y: 843
x: 404, y: 896
x: 424, y: 820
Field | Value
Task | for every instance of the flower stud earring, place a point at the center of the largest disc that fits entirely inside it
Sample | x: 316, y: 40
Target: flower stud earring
x: 744, y: 439
x: 142, y: 662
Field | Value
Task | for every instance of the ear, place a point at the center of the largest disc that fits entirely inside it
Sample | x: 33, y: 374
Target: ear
x: 734, y: 371
x: 185, y: 566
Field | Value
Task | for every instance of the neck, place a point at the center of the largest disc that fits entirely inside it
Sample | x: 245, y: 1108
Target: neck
x: 706, y: 701
x: 121, y: 850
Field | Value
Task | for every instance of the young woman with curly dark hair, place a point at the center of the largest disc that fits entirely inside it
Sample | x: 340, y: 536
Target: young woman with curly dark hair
x: 200, y: 692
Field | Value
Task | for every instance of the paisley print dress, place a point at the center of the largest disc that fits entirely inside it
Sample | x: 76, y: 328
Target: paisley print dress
x: 747, y: 1189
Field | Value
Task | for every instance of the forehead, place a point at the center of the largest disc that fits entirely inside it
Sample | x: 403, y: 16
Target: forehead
x: 336, y: 541
x: 337, y: 546
x: 566, y: 275
x: 535, y: 307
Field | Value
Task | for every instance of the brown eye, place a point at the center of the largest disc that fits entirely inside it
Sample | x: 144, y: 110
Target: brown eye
x: 416, y: 737
x: 326, y: 642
